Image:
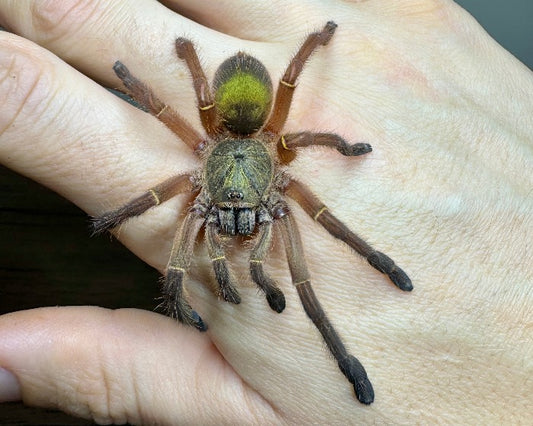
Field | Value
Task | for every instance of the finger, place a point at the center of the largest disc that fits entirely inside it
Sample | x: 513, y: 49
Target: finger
x: 268, y: 22
x: 92, y: 34
x: 78, y: 130
x: 66, y: 132
x: 123, y: 366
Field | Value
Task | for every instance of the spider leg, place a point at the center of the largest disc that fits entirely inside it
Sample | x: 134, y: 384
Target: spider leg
x: 319, y: 212
x: 148, y: 100
x: 153, y: 197
x: 288, y: 82
x: 287, y: 143
x: 174, y: 302
x: 206, y: 102
x: 274, y: 295
x: 348, y: 364
x: 225, y: 280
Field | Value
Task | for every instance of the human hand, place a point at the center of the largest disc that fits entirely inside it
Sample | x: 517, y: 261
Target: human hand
x: 443, y: 193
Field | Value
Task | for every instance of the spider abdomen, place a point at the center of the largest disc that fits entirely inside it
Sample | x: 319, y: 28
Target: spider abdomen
x: 243, y: 93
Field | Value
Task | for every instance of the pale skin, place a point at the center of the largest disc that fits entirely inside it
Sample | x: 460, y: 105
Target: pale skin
x: 446, y: 192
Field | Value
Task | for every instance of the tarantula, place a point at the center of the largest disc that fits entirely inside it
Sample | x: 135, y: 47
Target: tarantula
x: 241, y: 187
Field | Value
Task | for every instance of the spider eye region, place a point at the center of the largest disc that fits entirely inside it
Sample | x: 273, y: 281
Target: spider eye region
x: 238, y: 173
x: 243, y: 93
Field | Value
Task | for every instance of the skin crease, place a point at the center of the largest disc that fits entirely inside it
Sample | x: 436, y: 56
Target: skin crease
x: 445, y: 193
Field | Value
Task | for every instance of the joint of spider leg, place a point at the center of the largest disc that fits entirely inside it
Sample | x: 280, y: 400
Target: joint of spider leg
x: 284, y: 142
x: 161, y: 111
x: 205, y: 100
x: 280, y: 210
x: 200, y: 147
x: 175, y: 268
x: 207, y: 107
x: 287, y: 84
x: 319, y: 212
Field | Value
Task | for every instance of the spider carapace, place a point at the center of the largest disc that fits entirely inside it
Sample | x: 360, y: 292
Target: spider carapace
x: 242, y: 184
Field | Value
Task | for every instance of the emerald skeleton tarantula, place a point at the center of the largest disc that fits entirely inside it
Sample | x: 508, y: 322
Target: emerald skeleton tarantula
x: 241, y: 187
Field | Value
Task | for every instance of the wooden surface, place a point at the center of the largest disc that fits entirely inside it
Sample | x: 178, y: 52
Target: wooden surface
x: 47, y: 258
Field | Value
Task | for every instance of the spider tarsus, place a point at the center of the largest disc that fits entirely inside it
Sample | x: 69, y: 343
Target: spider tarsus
x: 103, y: 223
x: 198, y: 321
x: 386, y: 265
x: 228, y: 291
x: 181, y: 42
x: 121, y: 70
x: 330, y: 30
x: 355, y: 149
x: 400, y: 279
x: 276, y: 300
x: 356, y: 374
x: 230, y: 294
x: 174, y: 304
x: 364, y: 392
x: 183, y: 313
x: 274, y: 296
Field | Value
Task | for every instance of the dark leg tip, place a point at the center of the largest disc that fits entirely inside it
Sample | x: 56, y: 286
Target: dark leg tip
x: 386, y: 265
x: 354, y: 149
x: 401, y: 280
x: 328, y: 32
x: 120, y: 70
x: 198, y: 321
x: 230, y: 294
x: 360, y: 149
x: 103, y: 223
x: 356, y: 374
x: 331, y: 27
x: 276, y: 300
x: 181, y: 44
x: 364, y: 392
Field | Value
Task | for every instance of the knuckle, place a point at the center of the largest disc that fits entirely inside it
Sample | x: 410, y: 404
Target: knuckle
x: 24, y: 87
x: 55, y: 20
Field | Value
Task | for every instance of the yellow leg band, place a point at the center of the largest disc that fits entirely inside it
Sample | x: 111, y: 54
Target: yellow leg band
x: 322, y: 210
x: 162, y: 110
x: 283, y: 143
x: 291, y: 86
x: 176, y: 268
x: 156, y: 198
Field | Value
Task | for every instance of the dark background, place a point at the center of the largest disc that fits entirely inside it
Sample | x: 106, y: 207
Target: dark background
x: 48, y: 259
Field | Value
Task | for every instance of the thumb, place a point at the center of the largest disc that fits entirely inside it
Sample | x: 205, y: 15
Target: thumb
x: 121, y: 366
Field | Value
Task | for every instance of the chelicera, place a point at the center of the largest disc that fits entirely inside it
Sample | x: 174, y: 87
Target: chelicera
x: 242, y: 184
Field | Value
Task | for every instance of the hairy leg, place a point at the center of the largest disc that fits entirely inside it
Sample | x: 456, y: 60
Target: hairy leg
x: 206, y: 102
x: 274, y: 296
x: 348, y: 364
x: 174, y: 301
x: 225, y: 279
x: 319, y: 212
x: 148, y: 100
x: 153, y: 197
x: 287, y: 84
